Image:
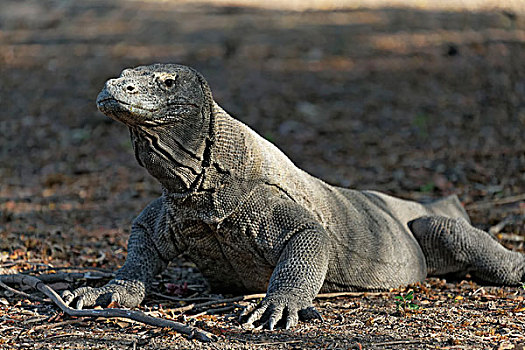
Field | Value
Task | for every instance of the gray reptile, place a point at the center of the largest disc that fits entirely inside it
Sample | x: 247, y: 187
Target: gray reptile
x: 252, y: 221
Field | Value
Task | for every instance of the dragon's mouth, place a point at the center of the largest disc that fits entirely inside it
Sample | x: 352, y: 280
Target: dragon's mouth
x: 101, y: 101
x: 122, y: 112
x: 102, y: 104
x: 132, y: 114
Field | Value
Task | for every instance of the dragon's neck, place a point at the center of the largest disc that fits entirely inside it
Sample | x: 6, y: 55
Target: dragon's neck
x: 167, y: 159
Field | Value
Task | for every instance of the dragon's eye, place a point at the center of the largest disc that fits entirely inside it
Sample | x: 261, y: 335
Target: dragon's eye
x: 169, y: 82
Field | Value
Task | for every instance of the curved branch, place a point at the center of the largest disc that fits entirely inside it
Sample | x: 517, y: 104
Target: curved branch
x: 192, y: 332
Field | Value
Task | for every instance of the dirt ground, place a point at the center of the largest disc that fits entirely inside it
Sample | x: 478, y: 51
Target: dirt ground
x: 417, y: 102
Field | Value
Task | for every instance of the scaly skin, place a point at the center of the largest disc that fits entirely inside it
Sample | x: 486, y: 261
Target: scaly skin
x: 252, y: 221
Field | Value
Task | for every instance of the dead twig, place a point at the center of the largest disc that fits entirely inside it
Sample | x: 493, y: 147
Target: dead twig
x: 58, y: 336
x: 190, y: 299
x: 183, y: 308
x: 59, y: 324
x: 511, y: 237
x: 74, y: 276
x: 36, y: 319
x: 18, y: 292
x: 72, y: 268
x: 221, y: 310
x: 348, y: 294
x: 501, y: 225
x: 91, y: 274
x: 398, y: 342
x: 232, y: 300
x: 278, y: 343
x: 192, y: 332
x: 58, y: 277
x: 499, y: 201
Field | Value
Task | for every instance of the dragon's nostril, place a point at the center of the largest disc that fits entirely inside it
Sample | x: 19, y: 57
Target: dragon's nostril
x: 130, y: 88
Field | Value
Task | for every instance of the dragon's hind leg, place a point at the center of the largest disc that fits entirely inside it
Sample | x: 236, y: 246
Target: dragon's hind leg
x: 453, y: 246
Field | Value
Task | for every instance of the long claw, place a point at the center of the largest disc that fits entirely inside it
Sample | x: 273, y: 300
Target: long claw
x: 68, y: 297
x: 271, y: 324
x: 247, y: 311
x: 291, y: 320
x: 256, y: 315
x: 115, y: 298
x: 276, y: 315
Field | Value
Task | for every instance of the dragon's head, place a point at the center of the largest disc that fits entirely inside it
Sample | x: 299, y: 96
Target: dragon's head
x: 156, y: 95
x: 168, y: 109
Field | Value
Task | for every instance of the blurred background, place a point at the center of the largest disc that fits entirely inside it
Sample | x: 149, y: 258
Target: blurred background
x: 419, y: 99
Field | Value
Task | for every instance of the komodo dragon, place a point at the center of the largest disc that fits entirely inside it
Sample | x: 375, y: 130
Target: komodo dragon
x: 252, y: 221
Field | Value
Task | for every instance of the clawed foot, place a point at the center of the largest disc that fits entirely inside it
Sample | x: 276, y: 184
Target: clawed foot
x: 283, y: 310
x: 125, y: 293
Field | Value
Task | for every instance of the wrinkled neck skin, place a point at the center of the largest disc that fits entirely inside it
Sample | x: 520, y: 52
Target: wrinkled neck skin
x: 174, y: 166
x: 174, y: 159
